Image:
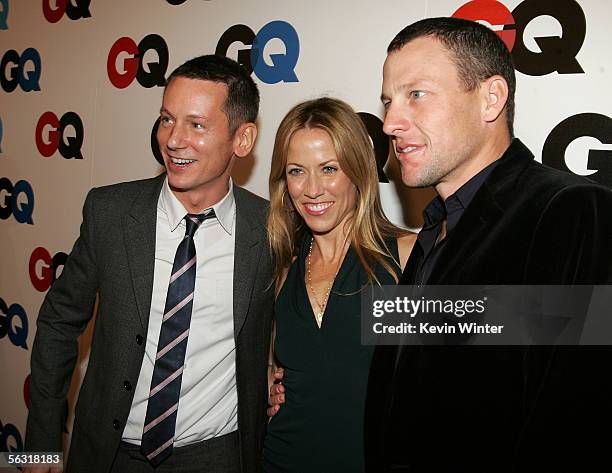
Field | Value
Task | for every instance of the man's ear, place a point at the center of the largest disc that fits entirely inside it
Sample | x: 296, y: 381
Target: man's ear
x: 244, y: 139
x: 494, y: 93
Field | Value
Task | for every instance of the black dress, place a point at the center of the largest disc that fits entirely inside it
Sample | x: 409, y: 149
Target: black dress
x: 319, y: 428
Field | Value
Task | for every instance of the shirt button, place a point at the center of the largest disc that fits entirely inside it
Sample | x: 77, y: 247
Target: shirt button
x: 116, y: 424
x: 127, y: 385
x: 139, y: 339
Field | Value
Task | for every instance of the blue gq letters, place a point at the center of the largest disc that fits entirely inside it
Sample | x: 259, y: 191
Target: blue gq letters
x: 22, y: 70
x: 10, y: 204
x: 18, y: 335
x: 23, y: 213
x: 283, y: 65
x: 252, y: 57
x: 30, y: 80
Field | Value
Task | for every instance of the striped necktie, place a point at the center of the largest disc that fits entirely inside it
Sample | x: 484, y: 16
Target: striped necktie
x: 160, y: 420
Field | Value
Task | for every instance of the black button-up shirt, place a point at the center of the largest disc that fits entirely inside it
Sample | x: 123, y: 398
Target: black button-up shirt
x: 450, y: 210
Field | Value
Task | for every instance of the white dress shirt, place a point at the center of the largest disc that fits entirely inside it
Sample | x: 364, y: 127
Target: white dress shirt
x: 208, y: 400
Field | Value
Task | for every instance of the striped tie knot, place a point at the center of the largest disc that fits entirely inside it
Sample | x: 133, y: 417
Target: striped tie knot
x: 193, y: 221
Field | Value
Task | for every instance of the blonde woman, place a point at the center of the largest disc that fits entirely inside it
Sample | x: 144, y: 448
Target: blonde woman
x: 330, y: 239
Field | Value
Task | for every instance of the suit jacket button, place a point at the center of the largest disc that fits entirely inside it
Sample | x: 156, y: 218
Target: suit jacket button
x: 127, y: 385
x: 116, y: 424
x: 139, y: 339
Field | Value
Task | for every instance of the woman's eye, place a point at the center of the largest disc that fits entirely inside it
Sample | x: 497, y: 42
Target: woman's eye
x: 417, y: 94
x: 329, y: 169
x: 293, y: 171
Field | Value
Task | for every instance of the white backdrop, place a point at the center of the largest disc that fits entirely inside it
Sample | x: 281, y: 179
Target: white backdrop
x: 342, y: 47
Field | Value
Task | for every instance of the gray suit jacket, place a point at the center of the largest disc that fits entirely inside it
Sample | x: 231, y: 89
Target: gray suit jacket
x: 114, y: 258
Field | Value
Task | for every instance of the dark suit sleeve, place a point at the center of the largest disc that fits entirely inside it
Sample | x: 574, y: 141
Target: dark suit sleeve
x: 572, y: 242
x: 569, y: 392
x: 64, y: 314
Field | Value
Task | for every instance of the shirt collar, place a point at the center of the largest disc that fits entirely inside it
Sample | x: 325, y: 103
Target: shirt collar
x: 467, y: 191
x: 452, y: 208
x: 175, y: 212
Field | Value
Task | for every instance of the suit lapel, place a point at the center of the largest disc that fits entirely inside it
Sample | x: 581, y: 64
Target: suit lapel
x: 249, y: 239
x: 471, y: 230
x: 139, y: 239
x: 486, y: 208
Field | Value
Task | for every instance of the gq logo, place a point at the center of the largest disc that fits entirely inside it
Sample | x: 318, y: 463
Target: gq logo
x: 10, y: 438
x: 4, y: 9
x: 16, y: 200
x: 23, y: 71
x: 43, y: 278
x: 283, y: 65
x: 51, y: 135
x: 584, y: 124
x: 132, y: 55
x: 18, y: 333
x: 556, y: 53
x: 176, y: 2
x: 74, y: 12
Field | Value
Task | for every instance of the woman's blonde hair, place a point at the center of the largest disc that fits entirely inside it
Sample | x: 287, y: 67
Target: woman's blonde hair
x: 368, y: 226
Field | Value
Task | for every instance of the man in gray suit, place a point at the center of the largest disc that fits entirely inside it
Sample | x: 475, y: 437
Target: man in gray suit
x: 171, y: 386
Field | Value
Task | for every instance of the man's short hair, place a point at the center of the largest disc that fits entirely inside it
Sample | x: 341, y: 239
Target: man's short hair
x: 242, y: 102
x: 477, y: 51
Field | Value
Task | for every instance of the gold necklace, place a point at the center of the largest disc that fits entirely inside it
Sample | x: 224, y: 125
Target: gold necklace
x: 322, y: 305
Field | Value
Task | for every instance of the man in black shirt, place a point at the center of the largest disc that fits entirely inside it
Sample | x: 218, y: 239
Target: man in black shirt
x: 500, y: 218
